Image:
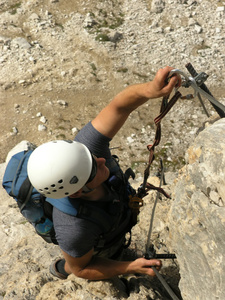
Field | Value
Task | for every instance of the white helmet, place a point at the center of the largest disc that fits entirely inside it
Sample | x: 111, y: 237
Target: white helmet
x: 60, y: 168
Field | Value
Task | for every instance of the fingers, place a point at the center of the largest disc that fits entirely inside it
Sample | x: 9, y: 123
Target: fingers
x: 173, y: 81
x: 160, y: 86
x: 147, y: 263
x: 144, y: 266
x: 163, y: 73
x: 157, y: 264
x: 165, y: 84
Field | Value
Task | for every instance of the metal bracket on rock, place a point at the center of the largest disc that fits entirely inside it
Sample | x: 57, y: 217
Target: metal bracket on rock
x: 196, y: 81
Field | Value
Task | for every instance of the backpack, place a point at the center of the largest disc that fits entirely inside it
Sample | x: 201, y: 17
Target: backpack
x: 38, y: 210
x: 29, y: 200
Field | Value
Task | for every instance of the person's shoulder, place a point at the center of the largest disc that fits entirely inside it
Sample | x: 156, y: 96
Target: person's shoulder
x: 94, y: 140
x: 62, y: 219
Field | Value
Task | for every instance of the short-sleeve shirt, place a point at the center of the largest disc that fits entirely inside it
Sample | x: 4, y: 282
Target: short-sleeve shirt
x: 74, y: 235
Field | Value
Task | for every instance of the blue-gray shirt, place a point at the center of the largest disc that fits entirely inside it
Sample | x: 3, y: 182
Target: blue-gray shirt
x: 77, y: 236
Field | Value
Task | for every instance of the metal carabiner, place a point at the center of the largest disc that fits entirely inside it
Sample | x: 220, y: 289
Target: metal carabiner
x: 186, y: 82
x: 195, y: 83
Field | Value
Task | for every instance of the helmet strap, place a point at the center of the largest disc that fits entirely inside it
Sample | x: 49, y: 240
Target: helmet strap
x: 86, y: 190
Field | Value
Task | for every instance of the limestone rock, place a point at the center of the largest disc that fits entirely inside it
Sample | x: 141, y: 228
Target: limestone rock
x: 157, y: 6
x: 197, y: 217
x: 42, y: 127
x: 22, y: 146
x: 21, y: 42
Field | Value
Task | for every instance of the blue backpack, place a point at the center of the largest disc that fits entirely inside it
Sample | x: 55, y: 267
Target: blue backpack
x: 29, y: 200
x: 38, y: 210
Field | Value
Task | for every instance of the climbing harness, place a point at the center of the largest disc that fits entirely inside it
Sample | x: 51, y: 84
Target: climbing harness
x: 195, y: 81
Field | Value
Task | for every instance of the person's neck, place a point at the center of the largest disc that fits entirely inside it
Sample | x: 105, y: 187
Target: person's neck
x: 96, y: 194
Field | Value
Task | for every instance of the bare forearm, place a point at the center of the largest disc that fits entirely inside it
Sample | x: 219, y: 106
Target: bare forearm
x: 102, y: 268
x: 136, y: 95
x: 114, y: 115
x: 133, y: 96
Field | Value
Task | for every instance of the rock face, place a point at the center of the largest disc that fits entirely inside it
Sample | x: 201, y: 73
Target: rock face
x: 197, y: 217
x: 60, y: 63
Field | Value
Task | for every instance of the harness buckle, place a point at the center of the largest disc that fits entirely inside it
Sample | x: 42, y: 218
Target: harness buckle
x: 135, y: 202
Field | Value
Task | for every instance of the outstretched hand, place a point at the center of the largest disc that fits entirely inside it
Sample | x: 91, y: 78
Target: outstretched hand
x: 162, y: 85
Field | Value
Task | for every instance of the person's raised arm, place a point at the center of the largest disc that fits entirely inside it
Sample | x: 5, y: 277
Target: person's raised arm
x: 113, y: 116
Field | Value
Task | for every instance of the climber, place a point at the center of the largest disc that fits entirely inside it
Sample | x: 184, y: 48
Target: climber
x: 82, y: 170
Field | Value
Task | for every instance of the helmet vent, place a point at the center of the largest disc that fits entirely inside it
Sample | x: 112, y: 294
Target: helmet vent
x: 74, y: 180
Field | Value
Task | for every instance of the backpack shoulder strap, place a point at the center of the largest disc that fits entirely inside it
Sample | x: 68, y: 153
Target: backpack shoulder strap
x: 96, y: 215
x: 24, y: 193
x: 64, y: 205
x: 81, y: 209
